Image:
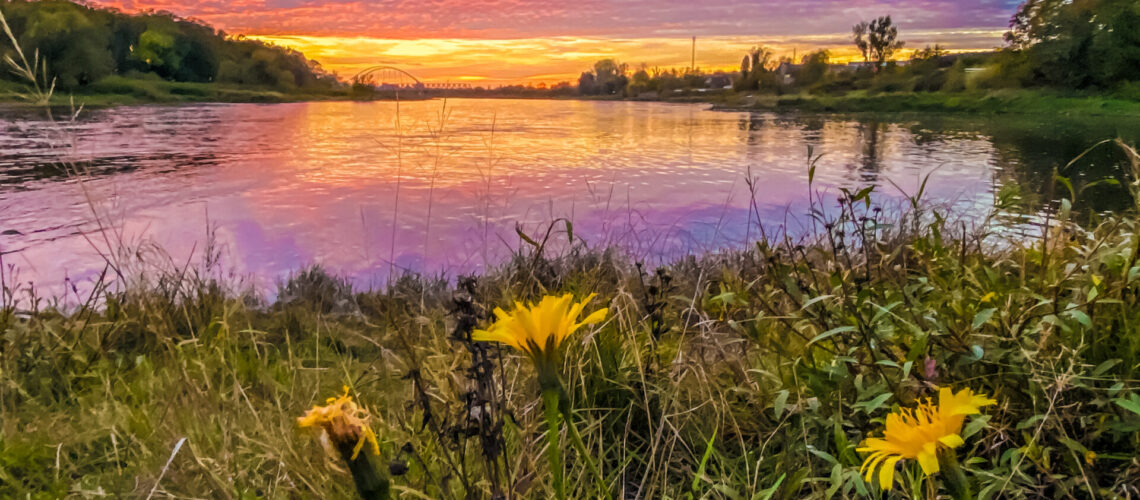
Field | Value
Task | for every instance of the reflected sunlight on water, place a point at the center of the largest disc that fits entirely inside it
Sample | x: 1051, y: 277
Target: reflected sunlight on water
x: 338, y: 183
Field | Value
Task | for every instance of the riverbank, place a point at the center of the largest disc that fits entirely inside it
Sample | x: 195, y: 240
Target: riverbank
x: 754, y: 374
x: 115, y: 91
x: 1035, y: 102
x: 119, y: 91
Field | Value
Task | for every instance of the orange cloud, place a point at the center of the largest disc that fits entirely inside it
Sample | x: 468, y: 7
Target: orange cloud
x: 519, y: 41
x: 554, y: 59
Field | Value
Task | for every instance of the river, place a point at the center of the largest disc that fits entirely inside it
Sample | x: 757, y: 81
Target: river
x: 369, y: 189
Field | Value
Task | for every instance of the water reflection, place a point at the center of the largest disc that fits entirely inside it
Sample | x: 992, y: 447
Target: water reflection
x: 283, y: 186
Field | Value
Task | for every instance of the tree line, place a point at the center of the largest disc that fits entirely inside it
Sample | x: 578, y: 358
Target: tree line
x: 81, y: 45
x: 1084, y: 44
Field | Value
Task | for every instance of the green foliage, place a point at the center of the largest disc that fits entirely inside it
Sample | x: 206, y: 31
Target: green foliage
x: 74, y: 43
x: 1079, y: 44
x: 84, y: 44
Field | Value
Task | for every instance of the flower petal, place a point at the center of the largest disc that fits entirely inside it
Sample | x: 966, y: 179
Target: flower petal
x: 887, y: 473
x: 928, y: 461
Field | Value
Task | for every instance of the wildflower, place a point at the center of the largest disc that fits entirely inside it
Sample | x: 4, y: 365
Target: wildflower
x: 342, y: 422
x: 919, y: 433
x: 1090, y: 457
x: 539, y: 329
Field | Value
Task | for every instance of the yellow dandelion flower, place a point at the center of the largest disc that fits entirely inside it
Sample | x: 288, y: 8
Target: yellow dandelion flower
x: 918, y: 433
x: 539, y: 329
x: 344, y: 423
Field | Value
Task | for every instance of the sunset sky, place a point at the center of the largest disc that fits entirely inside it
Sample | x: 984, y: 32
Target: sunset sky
x: 496, y: 42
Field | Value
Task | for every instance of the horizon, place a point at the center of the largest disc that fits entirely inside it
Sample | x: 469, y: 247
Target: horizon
x: 484, y: 43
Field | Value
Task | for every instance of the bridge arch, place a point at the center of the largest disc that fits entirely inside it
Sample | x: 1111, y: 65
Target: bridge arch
x: 389, y: 70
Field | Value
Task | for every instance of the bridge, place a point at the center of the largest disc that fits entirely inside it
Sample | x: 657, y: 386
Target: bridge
x: 393, y: 78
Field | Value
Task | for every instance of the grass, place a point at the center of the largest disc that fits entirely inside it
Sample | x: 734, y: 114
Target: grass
x: 121, y: 90
x: 750, y: 374
x: 1033, y: 102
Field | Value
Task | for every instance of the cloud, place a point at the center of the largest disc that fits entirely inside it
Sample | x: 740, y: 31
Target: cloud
x: 499, y: 19
x: 510, y: 41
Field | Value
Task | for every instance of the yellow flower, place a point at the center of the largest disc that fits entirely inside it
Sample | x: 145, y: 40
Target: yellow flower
x: 918, y: 433
x: 343, y: 422
x: 539, y: 329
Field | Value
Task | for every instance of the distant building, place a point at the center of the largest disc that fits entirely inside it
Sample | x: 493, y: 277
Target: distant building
x: 788, y: 70
x: 718, y: 80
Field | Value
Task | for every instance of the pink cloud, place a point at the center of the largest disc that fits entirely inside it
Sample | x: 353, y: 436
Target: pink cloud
x: 489, y: 19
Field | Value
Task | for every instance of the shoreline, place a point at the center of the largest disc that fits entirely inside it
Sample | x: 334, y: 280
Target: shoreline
x: 1022, y: 102
x: 1000, y: 102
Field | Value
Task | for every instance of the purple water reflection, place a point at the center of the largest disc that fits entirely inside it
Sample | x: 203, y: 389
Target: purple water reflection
x: 287, y: 185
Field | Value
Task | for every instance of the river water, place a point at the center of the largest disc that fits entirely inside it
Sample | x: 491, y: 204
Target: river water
x: 371, y: 189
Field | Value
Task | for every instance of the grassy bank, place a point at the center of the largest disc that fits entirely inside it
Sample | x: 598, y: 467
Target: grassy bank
x: 752, y: 374
x: 976, y: 102
x: 118, y: 90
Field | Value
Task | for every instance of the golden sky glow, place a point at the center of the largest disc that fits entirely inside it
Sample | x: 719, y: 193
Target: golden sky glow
x: 532, y: 41
x: 550, y: 60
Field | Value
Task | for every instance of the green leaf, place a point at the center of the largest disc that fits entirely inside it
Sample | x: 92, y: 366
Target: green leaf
x: 523, y: 235
x: 1131, y: 404
x: 1104, y: 367
x: 874, y: 404
x: 1080, y: 316
x: 704, y: 462
x: 831, y: 332
x: 977, y: 351
x: 976, y: 424
x: 814, y: 300
x: 780, y: 403
x: 982, y: 317
x: 767, y: 493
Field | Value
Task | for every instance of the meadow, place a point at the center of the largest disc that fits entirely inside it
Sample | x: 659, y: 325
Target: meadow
x: 761, y: 373
x: 752, y: 374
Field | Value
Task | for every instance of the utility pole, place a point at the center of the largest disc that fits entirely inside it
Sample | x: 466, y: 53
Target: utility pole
x: 693, y: 61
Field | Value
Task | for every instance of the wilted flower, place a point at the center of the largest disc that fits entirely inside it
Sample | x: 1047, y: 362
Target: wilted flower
x: 343, y: 422
x: 919, y: 433
x: 344, y: 425
x: 539, y: 329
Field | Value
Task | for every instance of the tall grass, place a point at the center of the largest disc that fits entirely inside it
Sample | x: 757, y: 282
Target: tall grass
x: 750, y: 374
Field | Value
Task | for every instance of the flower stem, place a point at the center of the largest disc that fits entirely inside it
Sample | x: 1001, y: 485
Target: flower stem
x: 367, y: 472
x: 553, y: 447
x: 953, y: 477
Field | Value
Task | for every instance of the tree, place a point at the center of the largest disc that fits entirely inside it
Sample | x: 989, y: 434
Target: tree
x: 877, y: 40
x: 155, y: 49
x: 607, y: 78
x: 640, y: 82
x: 81, y: 44
x: 1079, y: 43
x: 813, y: 67
x: 587, y: 84
x: 74, y: 45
